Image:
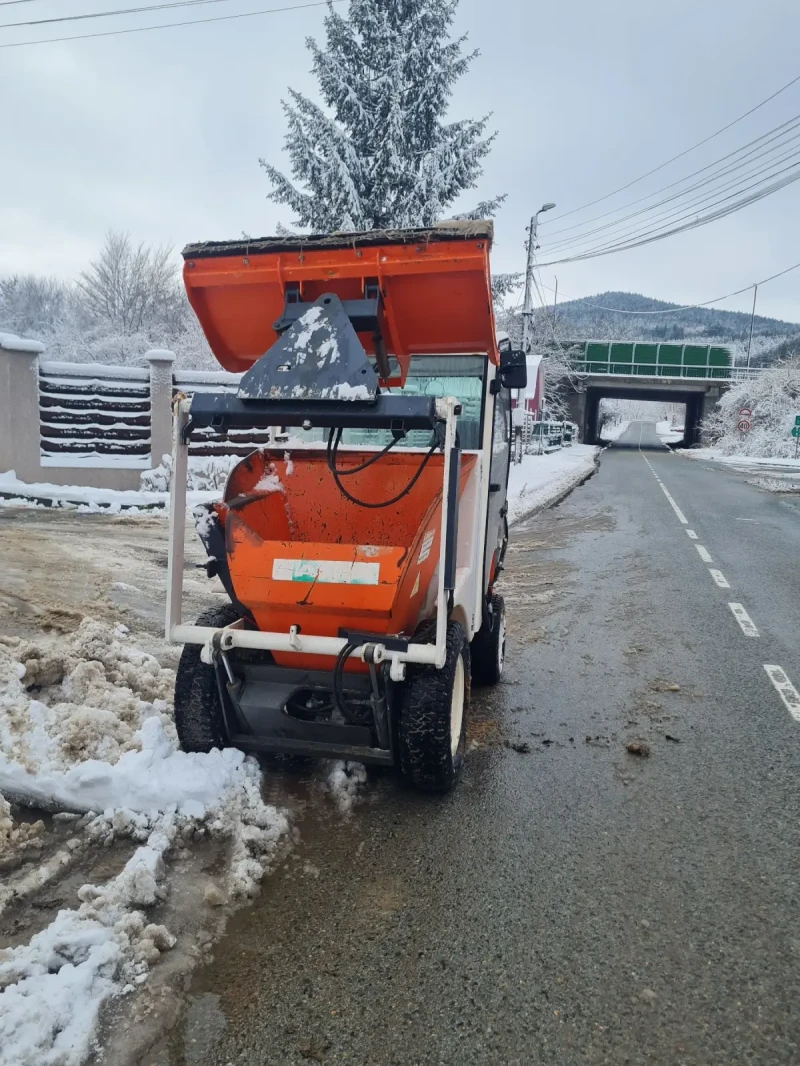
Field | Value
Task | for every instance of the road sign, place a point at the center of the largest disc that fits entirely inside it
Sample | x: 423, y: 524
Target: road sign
x: 745, y: 413
x: 744, y: 426
x: 796, y: 431
x: 797, y: 420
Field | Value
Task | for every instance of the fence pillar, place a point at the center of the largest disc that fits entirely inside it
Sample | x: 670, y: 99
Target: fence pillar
x: 19, y: 406
x: 161, y: 370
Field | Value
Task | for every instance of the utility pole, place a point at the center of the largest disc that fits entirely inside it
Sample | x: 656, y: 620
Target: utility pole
x: 527, y: 319
x: 555, y: 306
x: 752, y: 323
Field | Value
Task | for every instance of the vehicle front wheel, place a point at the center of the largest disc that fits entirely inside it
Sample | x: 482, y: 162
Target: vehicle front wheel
x: 199, y: 719
x: 489, y: 645
x: 433, y: 718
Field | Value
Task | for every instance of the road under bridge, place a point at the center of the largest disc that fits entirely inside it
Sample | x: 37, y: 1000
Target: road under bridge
x: 692, y: 374
x: 700, y: 398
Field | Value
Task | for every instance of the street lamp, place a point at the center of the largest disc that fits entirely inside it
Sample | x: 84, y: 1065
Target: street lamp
x: 527, y: 314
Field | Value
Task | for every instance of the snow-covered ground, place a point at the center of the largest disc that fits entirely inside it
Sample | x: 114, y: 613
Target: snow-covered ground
x: 86, y: 729
x: 613, y: 431
x: 669, y: 434
x: 14, y: 492
x: 540, y: 480
x: 743, y: 461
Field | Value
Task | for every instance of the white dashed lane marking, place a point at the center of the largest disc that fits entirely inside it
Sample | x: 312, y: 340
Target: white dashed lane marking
x: 786, y: 690
x: 704, y: 554
x: 691, y: 533
x: 747, y: 624
x: 681, y: 516
x: 719, y: 578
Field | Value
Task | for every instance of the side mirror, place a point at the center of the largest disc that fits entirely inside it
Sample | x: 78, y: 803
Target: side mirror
x: 513, y: 370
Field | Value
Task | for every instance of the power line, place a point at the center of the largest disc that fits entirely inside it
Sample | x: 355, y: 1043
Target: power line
x: 686, y: 307
x: 174, y: 25
x: 8, y: 3
x: 767, y: 171
x: 779, y: 132
x: 680, y: 155
x: 108, y: 14
x: 648, y: 237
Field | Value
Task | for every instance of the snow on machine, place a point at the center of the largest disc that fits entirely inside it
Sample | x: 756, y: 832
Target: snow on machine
x: 360, y: 554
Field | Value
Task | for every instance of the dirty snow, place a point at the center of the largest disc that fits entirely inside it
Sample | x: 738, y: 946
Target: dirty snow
x: 346, y: 782
x: 539, y: 480
x: 86, y: 726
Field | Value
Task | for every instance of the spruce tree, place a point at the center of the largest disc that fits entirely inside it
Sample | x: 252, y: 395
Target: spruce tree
x: 380, y: 154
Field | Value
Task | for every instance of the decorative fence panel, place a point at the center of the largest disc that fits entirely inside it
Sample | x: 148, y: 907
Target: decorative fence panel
x: 88, y: 411
x: 209, y: 442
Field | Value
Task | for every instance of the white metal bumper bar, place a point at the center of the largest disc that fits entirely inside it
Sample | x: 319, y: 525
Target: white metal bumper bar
x: 294, y: 641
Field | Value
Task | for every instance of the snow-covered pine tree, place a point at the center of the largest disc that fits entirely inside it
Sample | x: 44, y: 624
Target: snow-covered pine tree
x: 382, y: 154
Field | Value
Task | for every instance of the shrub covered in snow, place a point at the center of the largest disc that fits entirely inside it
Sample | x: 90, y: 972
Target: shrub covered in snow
x: 774, y: 399
x: 206, y: 473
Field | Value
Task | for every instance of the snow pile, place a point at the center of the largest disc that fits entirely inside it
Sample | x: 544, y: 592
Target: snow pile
x: 86, y: 727
x: 98, y: 736
x: 773, y: 397
x: 540, y: 480
x: 52, y: 989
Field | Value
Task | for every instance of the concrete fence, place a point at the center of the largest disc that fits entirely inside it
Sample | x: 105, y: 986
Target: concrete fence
x: 94, y: 425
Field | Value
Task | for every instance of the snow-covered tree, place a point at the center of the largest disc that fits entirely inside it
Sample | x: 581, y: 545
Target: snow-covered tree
x: 132, y: 288
x: 774, y: 399
x: 30, y: 303
x: 381, y: 154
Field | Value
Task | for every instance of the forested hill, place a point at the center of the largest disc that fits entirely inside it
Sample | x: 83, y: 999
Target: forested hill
x: 586, y: 319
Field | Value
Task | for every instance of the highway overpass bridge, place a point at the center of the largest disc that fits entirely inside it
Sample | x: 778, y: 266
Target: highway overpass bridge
x: 691, y: 374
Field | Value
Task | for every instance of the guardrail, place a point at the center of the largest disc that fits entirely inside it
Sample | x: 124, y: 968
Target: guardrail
x: 664, y: 372
x: 534, y: 437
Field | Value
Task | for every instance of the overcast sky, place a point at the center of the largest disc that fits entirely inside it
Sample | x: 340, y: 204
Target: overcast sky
x: 160, y: 133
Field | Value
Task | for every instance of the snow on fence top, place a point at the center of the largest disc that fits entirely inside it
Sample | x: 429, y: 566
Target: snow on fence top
x: 10, y: 342
x: 93, y: 370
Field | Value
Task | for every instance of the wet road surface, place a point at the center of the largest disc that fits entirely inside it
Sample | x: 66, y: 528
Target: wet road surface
x: 571, y: 903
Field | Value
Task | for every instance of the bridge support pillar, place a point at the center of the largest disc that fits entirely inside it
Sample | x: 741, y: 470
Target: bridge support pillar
x: 576, y: 403
x: 710, y: 401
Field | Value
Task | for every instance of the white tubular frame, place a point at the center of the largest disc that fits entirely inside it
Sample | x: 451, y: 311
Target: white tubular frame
x: 293, y: 641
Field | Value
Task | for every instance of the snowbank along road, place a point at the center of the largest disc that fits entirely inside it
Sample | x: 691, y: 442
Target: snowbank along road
x: 615, y: 878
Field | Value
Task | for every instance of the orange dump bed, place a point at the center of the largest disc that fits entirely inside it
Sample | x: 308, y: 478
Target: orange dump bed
x: 289, y: 542
x: 434, y: 283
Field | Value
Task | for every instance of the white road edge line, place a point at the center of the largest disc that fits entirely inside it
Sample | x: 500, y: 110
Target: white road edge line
x: 691, y: 533
x: 746, y: 623
x: 786, y: 690
x: 719, y: 578
x: 704, y: 553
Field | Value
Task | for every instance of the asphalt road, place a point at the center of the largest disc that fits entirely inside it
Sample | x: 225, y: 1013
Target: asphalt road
x: 575, y: 904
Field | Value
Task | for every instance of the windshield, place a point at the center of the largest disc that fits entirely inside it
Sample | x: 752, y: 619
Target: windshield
x: 461, y: 376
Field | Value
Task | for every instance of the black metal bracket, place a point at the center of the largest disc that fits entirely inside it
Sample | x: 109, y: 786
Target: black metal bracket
x: 364, y: 315
x: 394, y: 412
x: 358, y: 639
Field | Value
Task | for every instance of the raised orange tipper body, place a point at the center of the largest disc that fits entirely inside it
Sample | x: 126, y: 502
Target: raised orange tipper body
x: 359, y: 551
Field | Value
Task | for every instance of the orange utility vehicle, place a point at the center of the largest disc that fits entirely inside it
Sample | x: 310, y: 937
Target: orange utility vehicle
x: 360, y: 554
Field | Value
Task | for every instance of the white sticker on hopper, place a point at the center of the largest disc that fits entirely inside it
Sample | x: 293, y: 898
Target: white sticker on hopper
x: 326, y: 571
